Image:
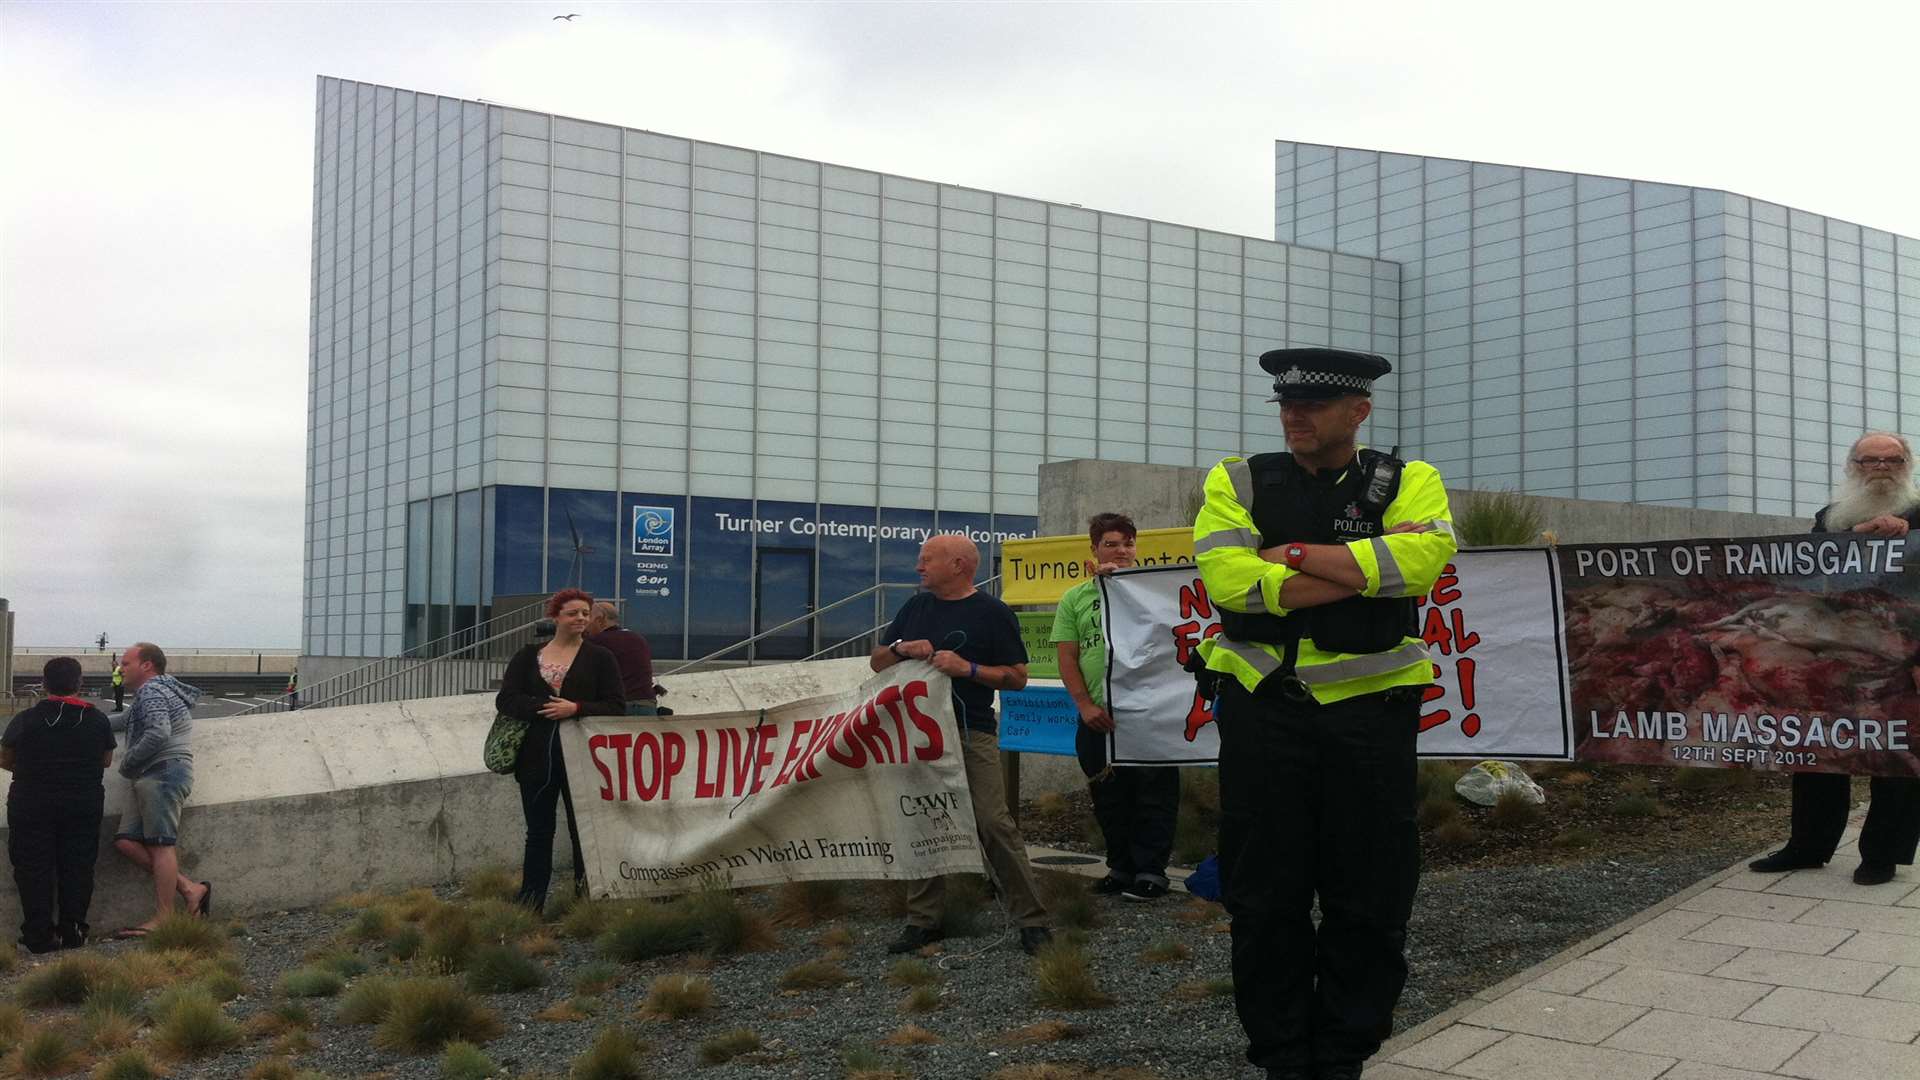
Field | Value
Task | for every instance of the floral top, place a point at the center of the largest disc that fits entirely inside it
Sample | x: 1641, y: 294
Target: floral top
x: 555, y: 674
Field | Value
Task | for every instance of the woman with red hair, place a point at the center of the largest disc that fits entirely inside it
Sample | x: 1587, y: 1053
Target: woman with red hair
x: 547, y: 684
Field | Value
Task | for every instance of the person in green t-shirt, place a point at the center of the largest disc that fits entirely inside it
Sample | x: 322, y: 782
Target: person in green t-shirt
x: 1135, y: 805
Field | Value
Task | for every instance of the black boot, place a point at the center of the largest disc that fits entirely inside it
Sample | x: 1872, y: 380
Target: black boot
x: 1783, y: 860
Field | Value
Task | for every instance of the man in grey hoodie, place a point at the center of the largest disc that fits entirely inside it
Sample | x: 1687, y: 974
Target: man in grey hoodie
x: 159, y: 761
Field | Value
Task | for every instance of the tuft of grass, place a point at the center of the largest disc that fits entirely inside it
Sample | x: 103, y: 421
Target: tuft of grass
x: 1497, y: 519
x: 110, y: 1029
x: 1045, y: 1031
x: 1572, y: 800
x: 1575, y: 838
x: 113, y: 994
x: 222, y: 983
x: 573, y: 1009
x: 192, y: 1026
x: 807, y: 903
x: 293, y: 1044
x: 1196, y: 911
x: 1574, y: 778
x: 676, y: 997
x: 962, y: 903
x: 1637, y: 783
x: 273, y: 1068
x: 649, y: 931
x: 912, y: 971
x: 371, y: 925
x: 814, y: 975
x: 1453, y: 835
x: 726, y: 925
x: 13, y: 1027
x: 539, y: 943
x: 367, y: 1001
x: 1166, y: 951
x: 861, y: 1060
x: 344, y: 962
x: 728, y: 1045
x: 596, y: 978
x: 911, y: 1035
x: 588, y: 919
x: 280, y: 1018
x: 1436, y: 810
x: 403, y: 944
x: 1637, y: 806
x: 465, y: 1061
x: 132, y: 1063
x: 500, y: 920
x: 311, y: 982
x: 1063, y: 978
x: 503, y: 969
x: 187, y: 933
x: 427, y: 1014
x: 1513, y: 810
x: 492, y: 883
x: 66, y: 981
x: 1068, y: 901
x: 1203, y: 989
x: 450, y: 941
x: 415, y: 905
x: 150, y: 971
x: 921, y: 999
x: 616, y: 1054
x: 836, y: 939
x: 1436, y: 778
x: 46, y: 1052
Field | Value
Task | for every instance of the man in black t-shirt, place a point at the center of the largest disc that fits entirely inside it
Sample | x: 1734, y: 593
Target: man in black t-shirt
x: 56, y: 752
x: 974, y: 640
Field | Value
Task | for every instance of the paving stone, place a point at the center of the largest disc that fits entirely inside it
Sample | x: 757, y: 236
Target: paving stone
x: 1447, y: 1047
x: 1702, y: 995
x: 1702, y: 1038
x: 1836, y: 883
x: 1783, y: 936
x: 1573, y: 976
x: 1885, y: 948
x: 1554, y: 1016
x: 1881, y: 919
x: 1700, y: 1070
x: 1902, y: 985
x: 1674, y: 923
x: 1748, y: 881
x: 1799, y: 969
x: 1667, y: 954
x: 1844, y: 1014
x: 1524, y: 1057
x: 1843, y: 1057
x: 1749, y: 905
x: 1387, y: 1070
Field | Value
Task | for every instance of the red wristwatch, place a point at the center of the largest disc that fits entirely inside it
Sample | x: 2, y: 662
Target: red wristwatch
x: 1295, y: 555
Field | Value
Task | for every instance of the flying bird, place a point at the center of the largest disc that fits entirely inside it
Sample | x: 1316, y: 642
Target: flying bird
x: 566, y: 18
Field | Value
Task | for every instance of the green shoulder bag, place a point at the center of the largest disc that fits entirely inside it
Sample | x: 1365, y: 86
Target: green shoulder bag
x: 502, y: 750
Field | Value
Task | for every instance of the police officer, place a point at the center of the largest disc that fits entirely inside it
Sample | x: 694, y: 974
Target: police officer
x: 119, y: 687
x: 1315, y: 557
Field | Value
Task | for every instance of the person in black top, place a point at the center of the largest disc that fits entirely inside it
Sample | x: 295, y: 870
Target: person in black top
x: 632, y: 653
x: 975, y: 640
x: 1876, y: 496
x: 56, y: 752
x: 546, y: 684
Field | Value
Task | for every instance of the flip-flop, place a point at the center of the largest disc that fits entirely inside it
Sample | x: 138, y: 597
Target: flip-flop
x: 130, y: 933
x: 205, y: 907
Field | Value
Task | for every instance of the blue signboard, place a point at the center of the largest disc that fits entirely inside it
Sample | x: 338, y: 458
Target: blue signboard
x: 1038, y: 720
x: 653, y: 530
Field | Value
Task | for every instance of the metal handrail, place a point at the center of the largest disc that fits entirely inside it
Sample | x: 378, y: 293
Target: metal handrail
x: 772, y: 630
x: 432, y: 675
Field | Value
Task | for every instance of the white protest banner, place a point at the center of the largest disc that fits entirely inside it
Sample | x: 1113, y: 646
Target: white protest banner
x: 1154, y: 618
x: 1492, y: 625
x: 864, y: 785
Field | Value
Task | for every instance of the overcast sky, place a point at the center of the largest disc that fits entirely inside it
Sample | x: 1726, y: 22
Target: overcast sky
x: 158, y: 197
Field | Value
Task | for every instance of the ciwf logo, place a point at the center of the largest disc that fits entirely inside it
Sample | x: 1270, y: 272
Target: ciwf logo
x: 653, y: 530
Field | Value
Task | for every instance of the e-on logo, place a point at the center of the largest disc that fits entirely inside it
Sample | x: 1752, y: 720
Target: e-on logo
x: 653, y: 530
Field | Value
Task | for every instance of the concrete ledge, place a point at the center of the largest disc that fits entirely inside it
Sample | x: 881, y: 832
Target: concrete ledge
x: 294, y: 809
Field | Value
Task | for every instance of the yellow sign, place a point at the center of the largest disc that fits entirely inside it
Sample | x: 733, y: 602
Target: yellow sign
x: 1041, y: 570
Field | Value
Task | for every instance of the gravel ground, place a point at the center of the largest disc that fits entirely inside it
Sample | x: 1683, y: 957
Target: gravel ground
x: 1472, y: 928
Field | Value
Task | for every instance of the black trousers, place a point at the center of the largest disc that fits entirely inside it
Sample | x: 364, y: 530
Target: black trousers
x: 542, y: 775
x: 1318, y: 801
x: 54, y: 844
x: 1136, y: 807
x: 1820, y: 805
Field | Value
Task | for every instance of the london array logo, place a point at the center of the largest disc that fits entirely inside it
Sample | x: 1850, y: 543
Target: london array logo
x: 653, y: 530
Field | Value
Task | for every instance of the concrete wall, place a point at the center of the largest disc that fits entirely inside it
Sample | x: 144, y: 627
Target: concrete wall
x: 1161, y: 496
x: 184, y: 665
x: 293, y: 809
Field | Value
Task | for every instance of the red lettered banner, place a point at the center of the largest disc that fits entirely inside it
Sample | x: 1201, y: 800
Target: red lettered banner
x: 1491, y: 625
x: 867, y: 785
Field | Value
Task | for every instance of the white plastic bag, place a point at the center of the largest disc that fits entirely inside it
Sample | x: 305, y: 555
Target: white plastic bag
x: 1486, y: 782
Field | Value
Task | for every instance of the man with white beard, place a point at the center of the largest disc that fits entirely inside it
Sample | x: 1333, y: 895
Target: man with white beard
x: 1876, y: 495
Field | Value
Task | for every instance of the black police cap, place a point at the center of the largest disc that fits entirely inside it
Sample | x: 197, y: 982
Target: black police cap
x: 1320, y: 374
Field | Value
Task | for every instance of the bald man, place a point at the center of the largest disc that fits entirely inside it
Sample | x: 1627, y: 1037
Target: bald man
x: 975, y: 640
x: 633, y: 655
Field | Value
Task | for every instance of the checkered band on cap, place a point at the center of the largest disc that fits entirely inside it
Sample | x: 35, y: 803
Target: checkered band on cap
x: 1294, y: 376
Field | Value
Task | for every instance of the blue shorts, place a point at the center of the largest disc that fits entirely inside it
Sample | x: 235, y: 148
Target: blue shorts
x: 153, y: 817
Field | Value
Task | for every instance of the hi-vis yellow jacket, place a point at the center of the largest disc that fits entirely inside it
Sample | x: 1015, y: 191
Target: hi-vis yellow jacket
x: 1227, y: 548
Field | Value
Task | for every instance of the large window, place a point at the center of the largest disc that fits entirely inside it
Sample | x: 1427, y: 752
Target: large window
x: 580, y: 540
x: 720, y: 575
